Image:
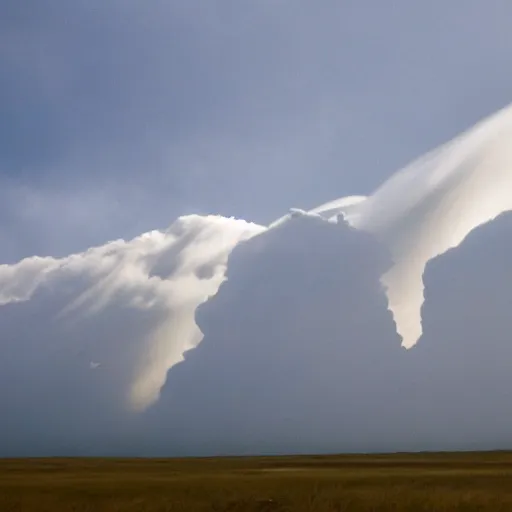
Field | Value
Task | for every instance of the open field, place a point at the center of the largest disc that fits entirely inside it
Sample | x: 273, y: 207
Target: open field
x: 402, y: 482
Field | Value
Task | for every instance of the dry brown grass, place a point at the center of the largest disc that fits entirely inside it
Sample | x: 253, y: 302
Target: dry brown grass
x: 435, y: 482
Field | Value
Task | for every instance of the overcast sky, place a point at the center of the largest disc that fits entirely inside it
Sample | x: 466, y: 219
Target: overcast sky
x: 120, y: 115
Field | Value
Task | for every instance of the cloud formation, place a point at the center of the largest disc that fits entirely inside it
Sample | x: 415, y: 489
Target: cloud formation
x: 301, y: 313
x: 300, y: 349
x: 161, y: 277
x: 462, y: 378
x: 431, y: 205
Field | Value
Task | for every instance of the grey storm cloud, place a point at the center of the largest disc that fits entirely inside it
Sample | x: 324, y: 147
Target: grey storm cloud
x: 377, y: 321
x: 223, y: 336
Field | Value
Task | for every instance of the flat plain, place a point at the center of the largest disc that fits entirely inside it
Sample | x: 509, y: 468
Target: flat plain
x: 400, y: 482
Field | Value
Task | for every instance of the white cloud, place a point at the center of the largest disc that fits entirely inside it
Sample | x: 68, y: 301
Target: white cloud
x: 432, y: 205
x: 169, y: 272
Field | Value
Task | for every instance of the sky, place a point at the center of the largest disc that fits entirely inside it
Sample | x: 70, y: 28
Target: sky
x: 120, y: 115
x: 151, y: 304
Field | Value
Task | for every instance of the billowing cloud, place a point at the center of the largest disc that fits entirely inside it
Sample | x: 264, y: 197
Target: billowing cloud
x: 432, y: 205
x: 160, y: 277
x: 300, y: 349
x: 301, y: 314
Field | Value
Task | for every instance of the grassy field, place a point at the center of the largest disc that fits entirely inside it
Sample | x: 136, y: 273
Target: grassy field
x: 422, y: 482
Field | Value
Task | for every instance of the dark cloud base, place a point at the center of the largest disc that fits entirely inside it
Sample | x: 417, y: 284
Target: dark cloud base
x: 300, y: 355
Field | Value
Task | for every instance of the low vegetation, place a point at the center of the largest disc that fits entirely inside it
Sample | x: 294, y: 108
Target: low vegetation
x: 402, y: 482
